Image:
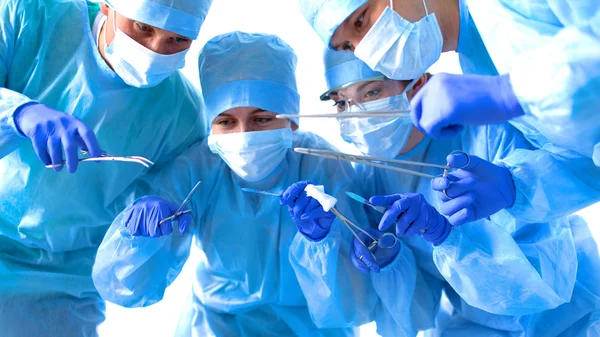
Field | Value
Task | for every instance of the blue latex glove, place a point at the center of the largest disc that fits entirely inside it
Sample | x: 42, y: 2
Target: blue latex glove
x: 411, y: 213
x: 306, y: 212
x: 449, y: 101
x: 477, y: 191
x: 383, y: 256
x: 142, y: 218
x: 53, y: 132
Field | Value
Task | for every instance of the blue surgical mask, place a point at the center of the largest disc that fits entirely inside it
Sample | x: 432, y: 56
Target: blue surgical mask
x: 399, y: 49
x: 252, y: 155
x: 377, y: 136
x: 137, y: 65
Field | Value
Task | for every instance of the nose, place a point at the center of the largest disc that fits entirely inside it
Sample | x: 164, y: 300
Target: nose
x: 159, y: 45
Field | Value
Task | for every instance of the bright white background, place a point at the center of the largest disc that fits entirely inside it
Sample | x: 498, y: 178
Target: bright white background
x: 278, y: 17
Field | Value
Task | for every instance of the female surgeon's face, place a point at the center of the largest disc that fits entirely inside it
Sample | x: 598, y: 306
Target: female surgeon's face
x: 247, y: 119
x: 354, y: 28
x: 365, y: 92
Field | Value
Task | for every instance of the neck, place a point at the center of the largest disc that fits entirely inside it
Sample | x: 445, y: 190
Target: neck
x: 448, y: 16
x: 414, y: 139
x: 101, y: 44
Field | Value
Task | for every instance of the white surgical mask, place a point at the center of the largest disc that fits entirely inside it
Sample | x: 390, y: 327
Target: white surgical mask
x: 137, y: 65
x: 252, y: 155
x: 379, y: 136
x: 400, y: 49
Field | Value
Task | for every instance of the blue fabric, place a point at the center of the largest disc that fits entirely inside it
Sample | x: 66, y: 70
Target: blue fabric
x: 342, y: 68
x: 51, y: 223
x: 507, y: 269
x: 548, y: 49
x: 183, y: 17
x: 247, y: 280
x: 325, y: 16
x: 248, y: 70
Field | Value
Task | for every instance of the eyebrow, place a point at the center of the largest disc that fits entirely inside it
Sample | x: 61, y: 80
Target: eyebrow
x: 258, y: 110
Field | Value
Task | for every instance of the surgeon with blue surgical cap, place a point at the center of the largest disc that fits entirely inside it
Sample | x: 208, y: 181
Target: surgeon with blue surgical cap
x: 534, y: 65
x: 78, y: 75
x: 246, y: 280
x: 503, y: 276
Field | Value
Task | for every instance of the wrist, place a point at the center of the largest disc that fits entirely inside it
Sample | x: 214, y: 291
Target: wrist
x: 507, y: 98
x: 18, y: 115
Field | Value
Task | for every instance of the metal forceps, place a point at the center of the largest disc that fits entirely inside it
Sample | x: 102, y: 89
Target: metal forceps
x: 350, y: 225
x: 179, y: 211
x: 381, y: 162
x: 108, y: 157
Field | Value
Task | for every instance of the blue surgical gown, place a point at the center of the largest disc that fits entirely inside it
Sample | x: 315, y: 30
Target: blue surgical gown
x: 246, y: 283
x: 503, y: 275
x: 551, y: 49
x: 52, y: 223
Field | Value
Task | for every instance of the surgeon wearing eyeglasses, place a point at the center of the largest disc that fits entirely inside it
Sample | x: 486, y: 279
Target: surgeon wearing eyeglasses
x: 502, y: 275
x: 532, y: 64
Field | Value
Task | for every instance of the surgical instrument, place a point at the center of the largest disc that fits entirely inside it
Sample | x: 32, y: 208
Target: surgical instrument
x: 179, y: 211
x: 251, y: 190
x: 108, y: 157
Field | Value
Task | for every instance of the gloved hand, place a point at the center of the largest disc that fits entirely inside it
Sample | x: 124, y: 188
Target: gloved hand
x: 449, y: 101
x: 142, y: 218
x: 383, y: 256
x: 477, y: 190
x: 306, y: 212
x: 51, y: 132
x: 411, y: 213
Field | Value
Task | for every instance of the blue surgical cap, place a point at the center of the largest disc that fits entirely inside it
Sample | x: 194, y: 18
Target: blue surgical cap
x: 342, y: 69
x: 325, y: 16
x: 183, y: 17
x: 248, y: 70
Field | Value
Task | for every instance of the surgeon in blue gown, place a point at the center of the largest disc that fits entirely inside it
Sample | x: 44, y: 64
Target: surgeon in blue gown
x: 246, y: 283
x: 503, y: 276
x: 73, y: 79
x: 533, y: 63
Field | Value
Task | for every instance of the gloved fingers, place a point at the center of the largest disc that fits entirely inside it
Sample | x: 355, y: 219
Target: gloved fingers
x: 460, y: 160
x: 358, y: 264
x: 40, y: 146
x: 364, y: 256
x: 184, y: 221
x: 440, y: 183
x: 458, y: 188
x: 71, y: 155
x: 392, y: 214
x: 89, y: 139
x: 300, y: 204
x: 316, y: 214
x: 462, y: 216
x: 408, y: 210
x: 55, y: 150
x: 384, y: 200
x: 166, y: 227
x: 152, y: 218
x: 421, y: 222
x: 454, y: 205
x: 290, y: 195
x: 131, y: 220
x: 312, y: 205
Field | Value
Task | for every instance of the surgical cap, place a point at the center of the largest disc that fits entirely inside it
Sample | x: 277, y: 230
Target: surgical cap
x: 183, y: 17
x: 342, y: 69
x: 325, y: 16
x: 248, y: 70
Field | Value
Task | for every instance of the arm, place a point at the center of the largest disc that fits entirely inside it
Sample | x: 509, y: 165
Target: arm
x: 510, y: 268
x: 134, y: 271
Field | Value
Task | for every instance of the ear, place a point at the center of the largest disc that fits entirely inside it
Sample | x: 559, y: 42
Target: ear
x: 104, y: 9
x: 419, y: 84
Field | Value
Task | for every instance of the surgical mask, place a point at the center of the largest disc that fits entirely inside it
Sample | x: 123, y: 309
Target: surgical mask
x: 400, y: 49
x: 252, y: 155
x: 137, y: 65
x: 377, y: 136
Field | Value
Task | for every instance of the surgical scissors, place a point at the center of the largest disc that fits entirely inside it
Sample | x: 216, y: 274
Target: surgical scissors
x: 394, y: 113
x: 179, y: 211
x: 108, y: 157
x: 349, y: 224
